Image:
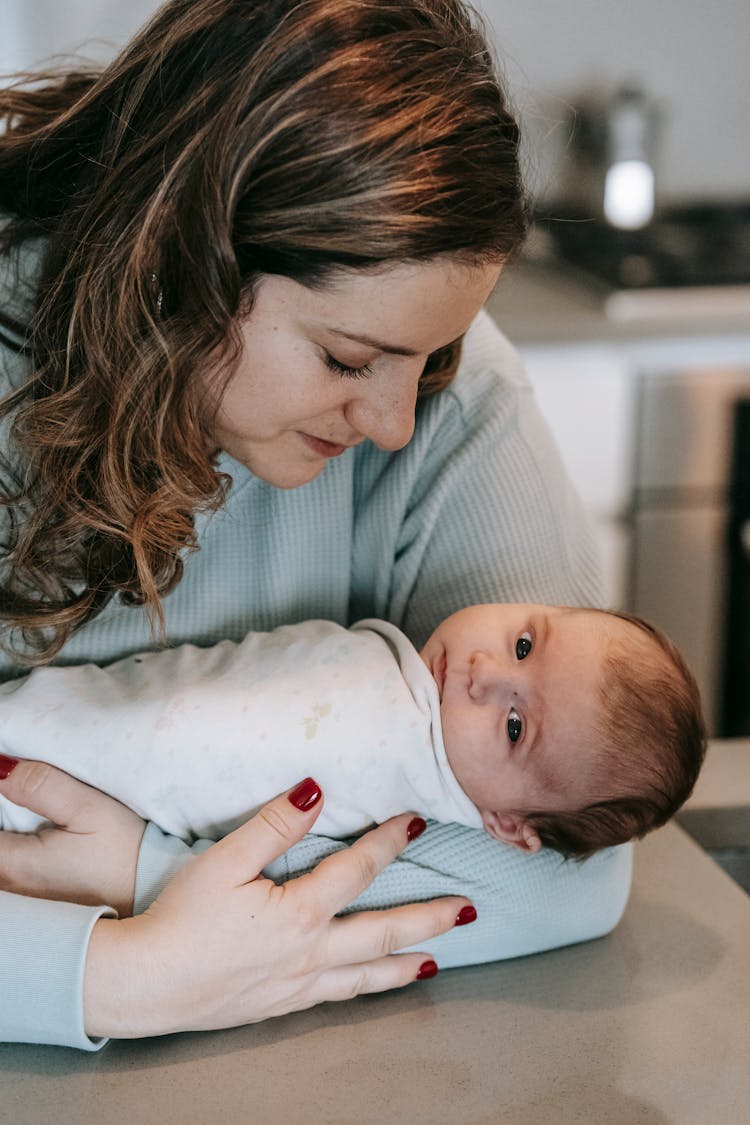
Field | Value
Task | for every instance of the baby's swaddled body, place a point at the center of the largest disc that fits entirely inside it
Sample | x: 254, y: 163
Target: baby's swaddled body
x: 196, y: 740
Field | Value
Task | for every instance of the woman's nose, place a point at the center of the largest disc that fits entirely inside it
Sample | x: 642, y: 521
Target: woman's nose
x: 383, y: 410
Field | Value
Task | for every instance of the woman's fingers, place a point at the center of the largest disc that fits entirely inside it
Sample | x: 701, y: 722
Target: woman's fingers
x: 341, y: 877
x: 373, y: 934
x: 47, y: 791
x: 88, y: 854
x: 347, y: 981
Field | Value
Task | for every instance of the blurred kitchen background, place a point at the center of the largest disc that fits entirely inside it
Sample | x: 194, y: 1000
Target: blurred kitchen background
x: 632, y: 303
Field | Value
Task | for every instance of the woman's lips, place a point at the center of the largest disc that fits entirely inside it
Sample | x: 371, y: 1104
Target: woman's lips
x: 322, y: 447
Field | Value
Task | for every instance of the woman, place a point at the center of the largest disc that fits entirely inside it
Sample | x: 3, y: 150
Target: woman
x: 239, y: 267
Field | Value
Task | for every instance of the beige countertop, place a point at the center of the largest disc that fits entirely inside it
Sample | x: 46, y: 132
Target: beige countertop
x: 718, y: 812
x: 650, y: 1025
x: 537, y: 304
x: 724, y: 781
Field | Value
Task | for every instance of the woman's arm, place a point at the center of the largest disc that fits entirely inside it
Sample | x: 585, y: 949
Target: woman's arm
x: 525, y: 903
x: 221, y: 946
x: 41, y: 970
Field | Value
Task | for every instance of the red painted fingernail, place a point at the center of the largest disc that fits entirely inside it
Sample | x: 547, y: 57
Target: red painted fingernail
x: 426, y: 970
x: 465, y: 915
x: 7, y: 765
x: 306, y: 794
x: 416, y: 828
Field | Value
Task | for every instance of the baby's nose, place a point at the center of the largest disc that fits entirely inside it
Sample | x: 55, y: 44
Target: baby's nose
x: 487, y: 674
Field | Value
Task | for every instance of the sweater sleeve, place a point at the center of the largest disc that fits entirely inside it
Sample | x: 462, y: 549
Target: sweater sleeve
x: 41, y: 970
x: 45, y: 945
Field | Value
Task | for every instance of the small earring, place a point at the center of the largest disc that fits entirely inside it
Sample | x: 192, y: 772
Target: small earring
x: 159, y: 293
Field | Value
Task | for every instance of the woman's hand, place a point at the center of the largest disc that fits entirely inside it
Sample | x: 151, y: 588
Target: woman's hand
x: 224, y: 946
x: 90, y: 856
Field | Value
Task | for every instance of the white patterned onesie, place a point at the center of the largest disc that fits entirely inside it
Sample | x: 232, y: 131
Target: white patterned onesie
x: 197, y: 739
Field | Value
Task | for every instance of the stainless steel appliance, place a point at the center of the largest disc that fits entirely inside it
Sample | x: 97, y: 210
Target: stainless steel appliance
x: 735, y: 700
x: 682, y: 551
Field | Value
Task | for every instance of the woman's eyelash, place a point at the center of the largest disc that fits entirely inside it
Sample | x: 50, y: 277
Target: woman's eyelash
x: 348, y: 372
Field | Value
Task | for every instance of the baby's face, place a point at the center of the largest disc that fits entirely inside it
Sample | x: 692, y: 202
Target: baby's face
x: 519, y: 699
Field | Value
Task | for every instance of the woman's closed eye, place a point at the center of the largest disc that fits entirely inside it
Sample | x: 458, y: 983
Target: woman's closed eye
x: 514, y: 725
x: 363, y: 372
x: 524, y: 645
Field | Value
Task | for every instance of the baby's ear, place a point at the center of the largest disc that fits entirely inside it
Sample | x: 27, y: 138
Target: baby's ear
x: 511, y: 828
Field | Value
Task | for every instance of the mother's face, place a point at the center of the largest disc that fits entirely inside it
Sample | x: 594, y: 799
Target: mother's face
x: 323, y: 369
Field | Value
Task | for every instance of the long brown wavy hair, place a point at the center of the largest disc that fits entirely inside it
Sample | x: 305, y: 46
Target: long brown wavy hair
x: 228, y: 139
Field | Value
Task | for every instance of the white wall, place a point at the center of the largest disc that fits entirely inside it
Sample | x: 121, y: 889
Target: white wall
x: 35, y: 30
x: 691, y: 56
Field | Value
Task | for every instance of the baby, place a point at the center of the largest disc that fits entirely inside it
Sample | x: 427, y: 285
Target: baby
x: 569, y: 728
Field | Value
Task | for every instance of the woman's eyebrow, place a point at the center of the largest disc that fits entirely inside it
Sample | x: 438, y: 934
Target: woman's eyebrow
x: 368, y: 341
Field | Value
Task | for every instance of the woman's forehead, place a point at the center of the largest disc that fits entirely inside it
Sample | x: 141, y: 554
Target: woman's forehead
x: 408, y: 309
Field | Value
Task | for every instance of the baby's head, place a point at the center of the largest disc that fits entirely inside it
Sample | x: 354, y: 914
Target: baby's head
x: 570, y: 728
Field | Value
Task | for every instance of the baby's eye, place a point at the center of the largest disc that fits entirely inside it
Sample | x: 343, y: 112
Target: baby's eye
x: 515, y: 725
x: 523, y: 646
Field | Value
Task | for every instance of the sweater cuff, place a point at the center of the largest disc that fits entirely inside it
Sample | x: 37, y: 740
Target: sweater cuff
x: 41, y: 970
x: 160, y: 858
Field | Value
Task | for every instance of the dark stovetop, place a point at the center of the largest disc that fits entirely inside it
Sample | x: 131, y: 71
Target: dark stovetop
x: 703, y: 244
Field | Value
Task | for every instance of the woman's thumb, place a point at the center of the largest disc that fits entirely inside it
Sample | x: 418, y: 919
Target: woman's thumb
x: 271, y: 832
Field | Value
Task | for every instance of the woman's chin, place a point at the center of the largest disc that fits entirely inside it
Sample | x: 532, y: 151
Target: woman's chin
x: 286, y: 475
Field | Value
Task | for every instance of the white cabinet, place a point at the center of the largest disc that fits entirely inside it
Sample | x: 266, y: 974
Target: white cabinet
x: 681, y: 514
x: 586, y: 393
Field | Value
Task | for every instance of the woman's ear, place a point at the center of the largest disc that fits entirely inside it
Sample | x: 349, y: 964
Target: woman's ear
x: 511, y: 828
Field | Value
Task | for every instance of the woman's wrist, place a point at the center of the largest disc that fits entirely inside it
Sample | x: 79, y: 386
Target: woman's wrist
x: 118, y: 997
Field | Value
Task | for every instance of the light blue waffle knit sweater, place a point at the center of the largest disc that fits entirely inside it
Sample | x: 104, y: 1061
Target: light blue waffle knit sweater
x: 477, y: 508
